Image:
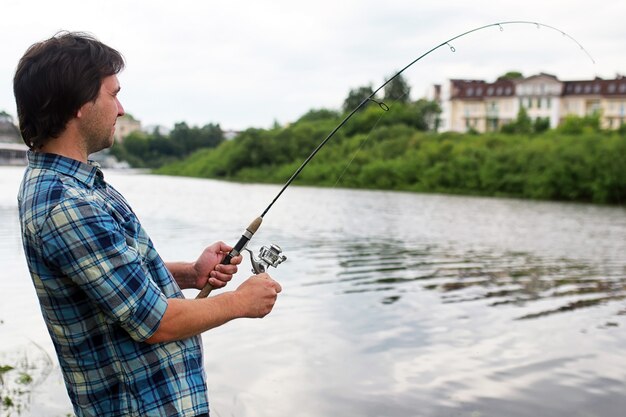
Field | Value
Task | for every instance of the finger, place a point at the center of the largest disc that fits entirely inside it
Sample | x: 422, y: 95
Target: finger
x: 222, y: 276
x: 226, y: 269
x: 236, y: 260
x: 216, y: 283
x: 222, y: 247
x: 277, y: 287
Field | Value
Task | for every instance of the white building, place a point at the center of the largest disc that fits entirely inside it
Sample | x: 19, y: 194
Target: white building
x: 124, y: 126
x: 484, y: 107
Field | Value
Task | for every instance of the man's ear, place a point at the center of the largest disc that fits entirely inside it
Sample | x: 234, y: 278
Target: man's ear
x: 79, y: 113
x: 81, y: 110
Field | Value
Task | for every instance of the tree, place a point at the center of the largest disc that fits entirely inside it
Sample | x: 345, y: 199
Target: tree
x: 189, y: 139
x: 575, y: 125
x: 211, y: 136
x: 541, y: 124
x: 429, y: 112
x: 356, y: 97
x: 511, y: 75
x: 155, y: 149
x: 522, y: 124
x: 6, y: 117
x: 316, y: 115
x: 397, y: 90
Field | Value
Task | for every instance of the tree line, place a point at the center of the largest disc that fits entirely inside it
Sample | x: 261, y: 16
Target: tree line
x: 399, y: 149
x: 557, y: 165
x: 152, y: 150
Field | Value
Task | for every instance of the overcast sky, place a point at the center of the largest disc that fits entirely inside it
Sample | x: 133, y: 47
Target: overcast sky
x: 250, y: 63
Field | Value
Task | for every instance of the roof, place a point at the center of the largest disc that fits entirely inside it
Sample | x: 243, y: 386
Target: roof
x: 598, y: 86
x: 479, y: 89
x: 541, y: 75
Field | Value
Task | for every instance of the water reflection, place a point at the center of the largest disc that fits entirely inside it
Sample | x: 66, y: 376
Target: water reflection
x: 510, y: 278
x: 475, y: 308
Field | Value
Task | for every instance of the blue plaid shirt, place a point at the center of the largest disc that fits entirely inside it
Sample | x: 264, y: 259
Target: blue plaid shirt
x: 103, y: 290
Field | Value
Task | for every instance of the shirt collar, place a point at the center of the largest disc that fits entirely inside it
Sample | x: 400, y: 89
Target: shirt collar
x: 87, y: 173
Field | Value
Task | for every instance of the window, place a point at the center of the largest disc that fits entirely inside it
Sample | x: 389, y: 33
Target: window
x: 490, y: 91
x: 611, y: 88
x: 593, y: 106
x: 470, y: 92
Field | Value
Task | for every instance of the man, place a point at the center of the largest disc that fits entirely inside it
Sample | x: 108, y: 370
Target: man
x: 127, y: 340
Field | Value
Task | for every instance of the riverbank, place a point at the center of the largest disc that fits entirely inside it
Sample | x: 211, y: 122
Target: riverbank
x: 586, y: 167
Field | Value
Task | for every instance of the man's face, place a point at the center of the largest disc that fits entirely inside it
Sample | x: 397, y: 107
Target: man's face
x: 97, y: 118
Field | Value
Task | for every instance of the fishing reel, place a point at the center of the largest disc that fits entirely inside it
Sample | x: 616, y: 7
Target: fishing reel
x: 268, y: 256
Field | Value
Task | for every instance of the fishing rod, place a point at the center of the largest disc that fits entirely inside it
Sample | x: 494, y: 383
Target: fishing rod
x: 272, y: 256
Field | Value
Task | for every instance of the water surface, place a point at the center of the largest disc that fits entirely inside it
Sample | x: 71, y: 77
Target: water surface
x: 393, y: 304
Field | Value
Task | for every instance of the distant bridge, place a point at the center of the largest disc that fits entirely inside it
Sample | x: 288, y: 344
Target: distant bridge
x: 13, y: 154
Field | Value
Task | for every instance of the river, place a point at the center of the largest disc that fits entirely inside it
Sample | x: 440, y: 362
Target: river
x: 393, y: 304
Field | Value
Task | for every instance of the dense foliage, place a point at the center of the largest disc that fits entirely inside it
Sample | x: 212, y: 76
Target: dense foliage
x: 152, y: 150
x: 394, y: 150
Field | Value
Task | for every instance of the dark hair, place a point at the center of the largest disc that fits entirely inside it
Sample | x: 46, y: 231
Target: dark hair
x: 55, y: 78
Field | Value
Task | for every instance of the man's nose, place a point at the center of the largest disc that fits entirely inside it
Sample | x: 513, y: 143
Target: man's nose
x: 120, y: 109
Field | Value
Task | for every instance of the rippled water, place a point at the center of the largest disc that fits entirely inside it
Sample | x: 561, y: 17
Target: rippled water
x: 394, y: 304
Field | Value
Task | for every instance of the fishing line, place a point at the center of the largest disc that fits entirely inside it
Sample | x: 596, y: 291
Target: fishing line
x: 256, y: 223
x: 369, y: 98
x: 383, y: 106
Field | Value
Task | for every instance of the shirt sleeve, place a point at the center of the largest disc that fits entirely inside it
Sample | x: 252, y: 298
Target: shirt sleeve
x: 87, y: 245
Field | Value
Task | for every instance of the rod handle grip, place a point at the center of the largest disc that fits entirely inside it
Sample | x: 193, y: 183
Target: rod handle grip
x: 241, y: 244
x: 204, y: 292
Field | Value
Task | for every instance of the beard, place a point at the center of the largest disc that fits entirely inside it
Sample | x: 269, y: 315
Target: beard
x: 98, y: 142
x: 97, y: 131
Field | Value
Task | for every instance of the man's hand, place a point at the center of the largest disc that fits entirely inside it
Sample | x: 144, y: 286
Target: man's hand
x: 256, y: 296
x: 208, y: 267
